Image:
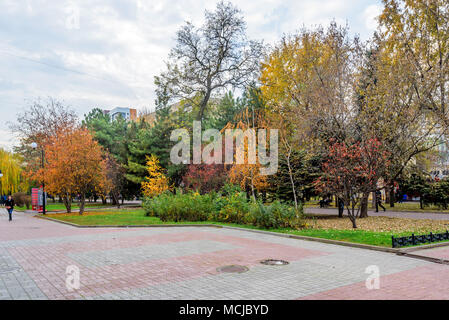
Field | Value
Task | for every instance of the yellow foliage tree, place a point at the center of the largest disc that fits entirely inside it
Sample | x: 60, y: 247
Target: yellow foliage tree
x: 13, y: 179
x: 156, y: 182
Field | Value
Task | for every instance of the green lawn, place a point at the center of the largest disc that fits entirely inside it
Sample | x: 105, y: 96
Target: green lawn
x: 137, y: 217
x: 60, y: 207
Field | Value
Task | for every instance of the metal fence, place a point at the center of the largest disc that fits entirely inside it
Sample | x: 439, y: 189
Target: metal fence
x: 417, y: 240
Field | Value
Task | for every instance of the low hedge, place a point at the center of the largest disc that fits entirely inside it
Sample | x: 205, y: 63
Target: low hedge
x: 229, y: 208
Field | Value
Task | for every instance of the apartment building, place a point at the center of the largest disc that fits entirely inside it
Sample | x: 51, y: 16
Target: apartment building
x: 126, y: 113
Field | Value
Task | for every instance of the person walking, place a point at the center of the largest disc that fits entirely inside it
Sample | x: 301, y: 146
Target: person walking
x: 379, y: 201
x: 341, y: 207
x: 9, y: 205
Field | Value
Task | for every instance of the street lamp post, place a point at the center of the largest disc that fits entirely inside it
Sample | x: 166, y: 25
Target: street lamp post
x: 34, y: 146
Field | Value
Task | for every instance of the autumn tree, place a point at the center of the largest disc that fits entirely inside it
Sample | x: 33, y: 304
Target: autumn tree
x: 210, y: 58
x: 247, y: 174
x: 74, y: 166
x: 352, y: 171
x: 13, y: 179
x: 156, y: 182
x: 205, y: 178
x: 404, y: 80
x: 41, y: 121
x: 308, y: 82
x: 115, y: 180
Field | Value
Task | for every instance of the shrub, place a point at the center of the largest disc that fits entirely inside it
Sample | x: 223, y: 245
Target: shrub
x: 21, y: 199
x: 276, y: 215
x: 233, y: 208
x: 180, y: 207
x: 230, y: 189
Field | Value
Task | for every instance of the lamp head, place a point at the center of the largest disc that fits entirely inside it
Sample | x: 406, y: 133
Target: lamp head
x: 34, y: 145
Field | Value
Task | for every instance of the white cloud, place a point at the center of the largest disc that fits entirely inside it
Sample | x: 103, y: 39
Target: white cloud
x: 370, y: 16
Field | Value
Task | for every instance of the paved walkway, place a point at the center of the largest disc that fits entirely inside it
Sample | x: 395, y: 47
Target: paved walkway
x: 181, y: 263
x: 396, y: 214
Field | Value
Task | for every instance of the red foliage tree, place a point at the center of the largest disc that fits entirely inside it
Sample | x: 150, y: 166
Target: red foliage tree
x: 352, y: 172
x: 205, y: 178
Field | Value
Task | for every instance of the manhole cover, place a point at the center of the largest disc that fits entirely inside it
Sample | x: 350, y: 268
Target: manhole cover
x: 273, y: 262
x: 232, y: 269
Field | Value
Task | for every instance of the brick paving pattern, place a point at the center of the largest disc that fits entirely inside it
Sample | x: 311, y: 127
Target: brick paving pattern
x: 182, y: 263
x: 439, y: 253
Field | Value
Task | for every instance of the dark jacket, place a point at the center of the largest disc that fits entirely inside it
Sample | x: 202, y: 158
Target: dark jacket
x: 10, y: 203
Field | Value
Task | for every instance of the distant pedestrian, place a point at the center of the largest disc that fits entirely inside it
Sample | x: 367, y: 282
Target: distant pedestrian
x: 341, y: 207
x: 379, y: 201
x: 9, y: 205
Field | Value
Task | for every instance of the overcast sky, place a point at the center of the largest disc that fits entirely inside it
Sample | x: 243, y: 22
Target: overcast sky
x: 105, y: 53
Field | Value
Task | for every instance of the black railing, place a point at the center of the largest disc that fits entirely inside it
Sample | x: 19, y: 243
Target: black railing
x: 417, y: 240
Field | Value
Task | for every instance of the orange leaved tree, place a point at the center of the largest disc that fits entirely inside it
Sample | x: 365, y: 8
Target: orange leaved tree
x: 74, y: 166
x: 248, y: 175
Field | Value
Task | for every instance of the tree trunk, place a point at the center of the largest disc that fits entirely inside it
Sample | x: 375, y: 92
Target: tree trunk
x: 291, y: 180
x: 364, y: 206
x: 67, y: 200
x: 116, y: 200
x: 82, y: 203
x: 352, y: 218
x: 252, y: 192
x: 387, y: 193
x: 392, y: 198
x: 354, y: 224
x: 203, y: 105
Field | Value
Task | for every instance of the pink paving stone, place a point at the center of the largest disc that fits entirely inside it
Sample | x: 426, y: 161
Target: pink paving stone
x: 27, y: 227
x: 439, y: 253
x: 46, y: 263
x: 421, y: 283
x: 53, y: 260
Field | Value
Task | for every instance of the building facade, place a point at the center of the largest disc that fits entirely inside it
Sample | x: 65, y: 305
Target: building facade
x: 440, y: 168
x: 126, y: 113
